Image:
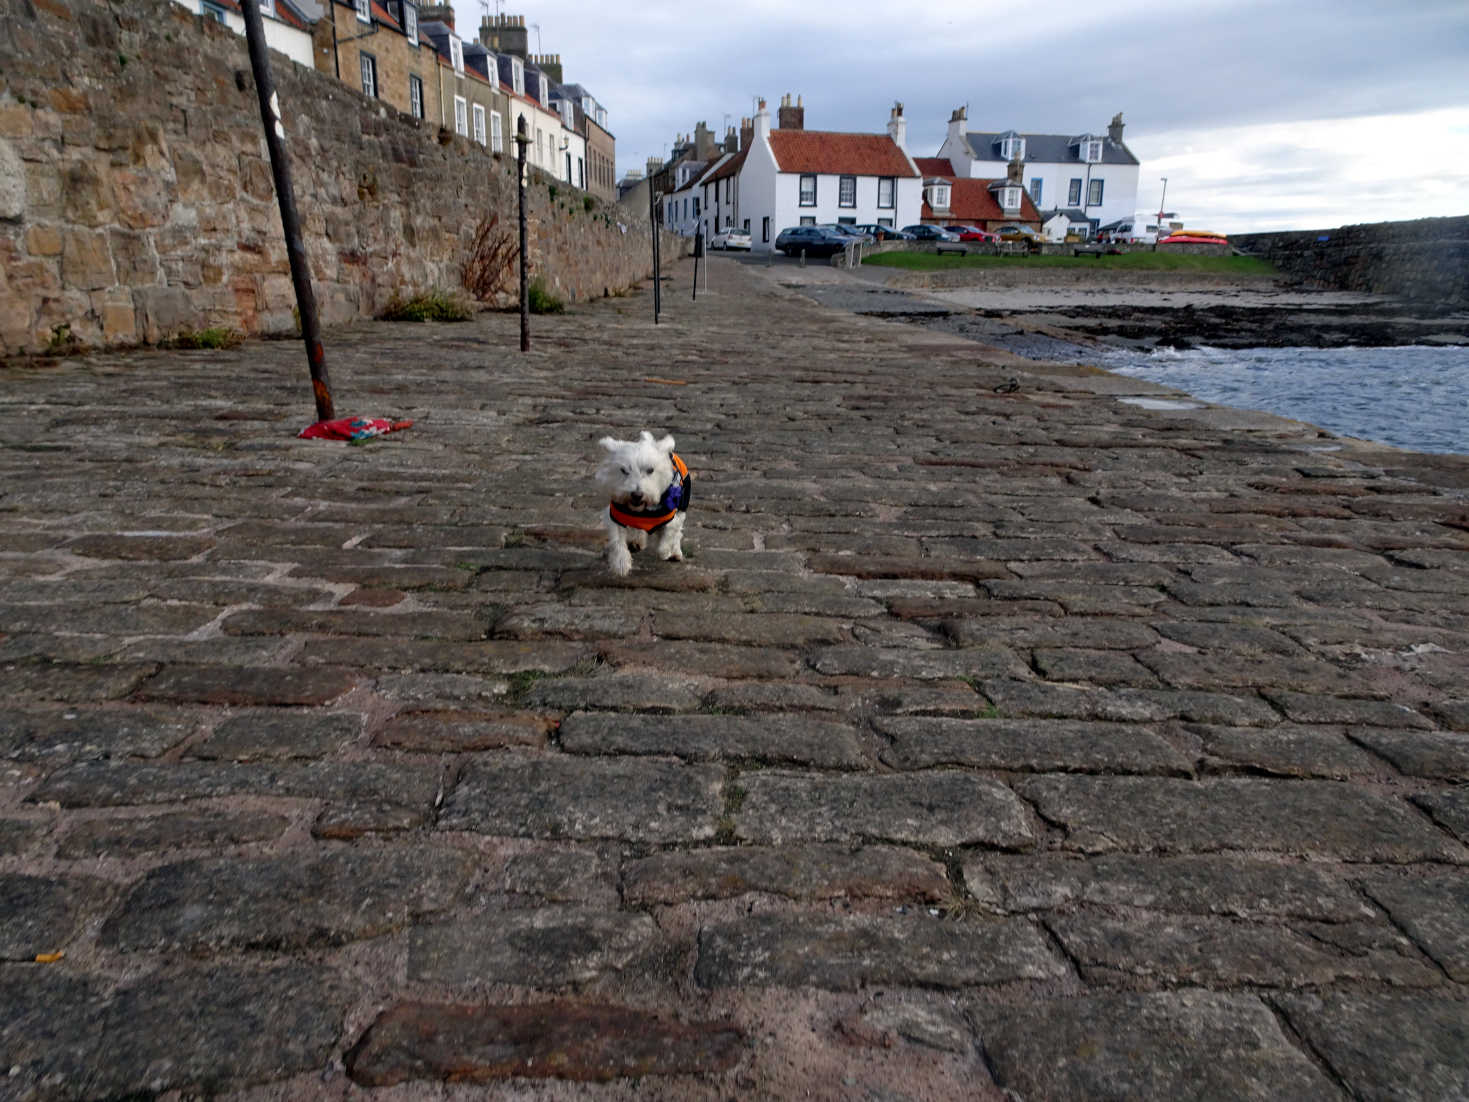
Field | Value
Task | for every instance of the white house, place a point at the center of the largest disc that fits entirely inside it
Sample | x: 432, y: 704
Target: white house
x: 287, y: 25
x: 794, y: 177
x: 683, y: 207
x: 1095, y: 173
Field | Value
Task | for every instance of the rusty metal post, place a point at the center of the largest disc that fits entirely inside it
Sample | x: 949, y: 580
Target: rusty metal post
x: 275, y: 141
x: 522, y: 139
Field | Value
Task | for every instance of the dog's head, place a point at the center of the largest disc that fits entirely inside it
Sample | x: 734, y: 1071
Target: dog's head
x: 637, y: 472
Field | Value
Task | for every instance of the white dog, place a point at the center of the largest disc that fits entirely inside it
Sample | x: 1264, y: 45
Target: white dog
x: 650, y: 488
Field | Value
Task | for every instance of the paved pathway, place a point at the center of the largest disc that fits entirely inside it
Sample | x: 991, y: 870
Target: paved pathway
x: 990, y: 740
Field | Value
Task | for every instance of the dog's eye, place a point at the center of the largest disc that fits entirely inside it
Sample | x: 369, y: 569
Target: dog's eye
x: 624, y: 470
x: 647, y: 470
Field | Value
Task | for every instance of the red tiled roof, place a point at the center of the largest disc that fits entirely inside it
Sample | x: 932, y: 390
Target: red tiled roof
x: 972, y: 202
x: 934, y: 166
x: 729, y: 168
x: 824, y: 151
x: 285, y: 14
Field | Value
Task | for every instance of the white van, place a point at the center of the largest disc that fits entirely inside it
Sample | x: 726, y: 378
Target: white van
x: 1140, y: 229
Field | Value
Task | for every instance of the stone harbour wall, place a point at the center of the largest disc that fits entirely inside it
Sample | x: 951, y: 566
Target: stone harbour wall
x: 1425, y: 260
x: 136, y: 199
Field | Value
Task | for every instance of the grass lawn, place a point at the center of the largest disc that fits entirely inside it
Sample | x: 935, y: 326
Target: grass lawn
x: 1133, y: 262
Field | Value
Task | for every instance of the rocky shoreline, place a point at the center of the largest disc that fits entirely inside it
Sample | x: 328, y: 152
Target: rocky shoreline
x: 1040, y: 314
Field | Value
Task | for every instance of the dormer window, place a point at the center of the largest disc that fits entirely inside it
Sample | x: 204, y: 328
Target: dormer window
x: 1010, y: 198
x: 410, y: 23
x: 938, y: 196
x: 517, y: 76
x: 267, y: 7
x: 456, y: 52
x: 364, y: 12
x: 1012, y: 147
x: 1088, y: 149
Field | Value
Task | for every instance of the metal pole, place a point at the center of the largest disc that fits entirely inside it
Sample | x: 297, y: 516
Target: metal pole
x: 522, y: 139
x: 698, y: 252
x: 657, y: 253
x: 1162, y: 202
x: 275, y: 141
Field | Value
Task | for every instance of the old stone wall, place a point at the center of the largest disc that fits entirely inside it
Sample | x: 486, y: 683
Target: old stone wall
x: 136, y: 199
x: 1426, y: 260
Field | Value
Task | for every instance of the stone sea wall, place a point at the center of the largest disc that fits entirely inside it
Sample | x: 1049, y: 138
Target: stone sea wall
x: 136, y: 199
x: 1426, y: 260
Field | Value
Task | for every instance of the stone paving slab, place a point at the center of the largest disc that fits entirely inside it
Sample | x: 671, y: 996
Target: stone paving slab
x: 987, y: 741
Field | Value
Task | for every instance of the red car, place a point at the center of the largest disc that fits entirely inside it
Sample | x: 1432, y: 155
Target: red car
x: 974, y: 233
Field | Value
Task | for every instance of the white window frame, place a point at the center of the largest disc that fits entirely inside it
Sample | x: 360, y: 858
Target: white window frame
x: 1037, y: 188
x: 1095, y: 188
x: 410, y: 22
x: 1013, y: 149
x: 802, y: 199
x: 415, y: 96
x: 497, y: 133
x: 1010, y: 198
x: 888, y: 184
x: 939, y: 197
x: 479, y: 124
x: 456, y: 53
x: 1073, y: 191
x: 367, y: 65
x: 267, y: 7
x: 1094, y: 151
x: 846, y: 191
x: 364, y: 10
x: 461, y: 116
x: 517, y: 76
x: 212, y: 11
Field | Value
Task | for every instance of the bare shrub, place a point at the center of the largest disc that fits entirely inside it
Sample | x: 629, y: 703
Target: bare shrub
x: 486, y: 271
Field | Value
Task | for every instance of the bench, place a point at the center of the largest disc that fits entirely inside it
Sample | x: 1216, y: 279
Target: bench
x: 951, y: 248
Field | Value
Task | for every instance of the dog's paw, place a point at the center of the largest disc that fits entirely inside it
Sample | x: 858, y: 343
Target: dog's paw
x: 673, y: 555
x: 619, y: 561
x: 638, y: 541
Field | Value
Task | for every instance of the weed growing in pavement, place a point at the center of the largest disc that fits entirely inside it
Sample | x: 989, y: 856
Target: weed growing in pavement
x: 218, y: 336
x: 433, y: 306
x: 541, y: 301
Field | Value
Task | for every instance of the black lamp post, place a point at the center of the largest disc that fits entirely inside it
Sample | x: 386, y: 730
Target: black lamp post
x: 522, y: 139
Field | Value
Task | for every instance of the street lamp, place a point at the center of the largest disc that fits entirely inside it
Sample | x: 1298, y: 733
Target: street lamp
x: 1162, y: 202
x: 522, y: 139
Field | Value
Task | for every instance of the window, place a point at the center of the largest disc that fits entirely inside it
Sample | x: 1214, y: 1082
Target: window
x: 267, y: 7
x: 747, y: 225
x: 415, y: 97
x: 1013, y: 148
x: 568, y: 168
x: 456, y: 52
x: 1093, y: 151
x: 885, y: 189
x: 1094, y: 194
x: 368, y: 65
x: 211, y: 11
x: 479, y: 124
x: 846, y: 191
x: 938, y: 196
x: 410, y: 22
x: 1010, y: 198
x: 1036, y: 186
x: 846, y: 221
x: 364, y: 13
x: 517, y: 76
x: 696, y: 206
x: 497, y: 135
x: 808, y: 192
x: 1073, y: 193
x: 765, y: 228
x: 461, y: 116
x: 808, y: 220
x: 581, y: 173
x: 884, y: 221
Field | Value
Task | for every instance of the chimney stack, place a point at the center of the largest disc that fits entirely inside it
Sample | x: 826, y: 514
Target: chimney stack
x: 703, y: 142
x: 747, y: 132
x: 1114, y: 128
x: 791, y: 116
x: 731, y: 140
x: 505, y: 34
x: 550, y: 64
x: 762, y: 123
x: 1015, y: 172
x: 443, y: 13
x: 898, y: 127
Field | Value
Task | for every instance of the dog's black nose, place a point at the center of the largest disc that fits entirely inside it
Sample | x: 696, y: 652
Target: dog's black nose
x: 635, y: 498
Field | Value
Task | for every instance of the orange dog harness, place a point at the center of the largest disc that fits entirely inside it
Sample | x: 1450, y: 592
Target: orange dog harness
x: 675, y: 500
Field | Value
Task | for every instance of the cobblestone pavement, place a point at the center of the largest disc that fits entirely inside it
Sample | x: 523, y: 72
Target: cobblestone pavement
x: 996, y: 737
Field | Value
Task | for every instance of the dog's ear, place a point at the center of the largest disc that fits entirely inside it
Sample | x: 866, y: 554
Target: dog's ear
x: 664, y: 445
x: 609, y: 443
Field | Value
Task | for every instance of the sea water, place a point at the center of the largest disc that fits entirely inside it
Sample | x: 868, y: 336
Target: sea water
x: 1414, y: 397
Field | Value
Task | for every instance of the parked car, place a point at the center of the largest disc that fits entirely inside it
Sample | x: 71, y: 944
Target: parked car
x: 731, y: 237
x: 882, y: 233
x: 847, y: 229
x: 1019, y: 233
x: 974, y: 233
x: 812, y: 240
x: 930, y: 233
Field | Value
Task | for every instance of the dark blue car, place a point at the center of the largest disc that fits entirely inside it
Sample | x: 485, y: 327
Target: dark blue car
x: 812, y: 240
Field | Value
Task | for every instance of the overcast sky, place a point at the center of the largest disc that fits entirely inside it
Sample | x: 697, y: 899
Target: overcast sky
x: 1262, y: 114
